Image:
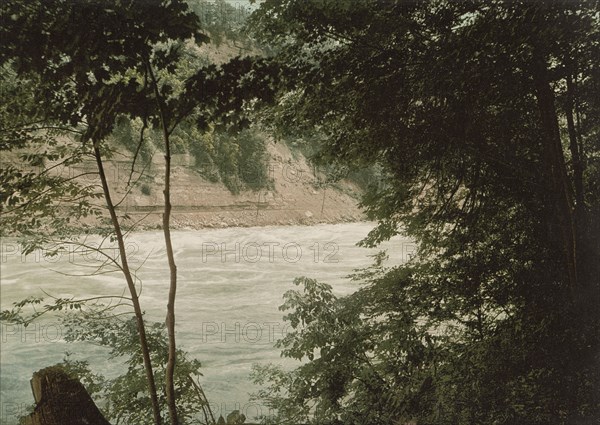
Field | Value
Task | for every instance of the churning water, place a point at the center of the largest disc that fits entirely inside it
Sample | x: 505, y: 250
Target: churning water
x: 231, y: 283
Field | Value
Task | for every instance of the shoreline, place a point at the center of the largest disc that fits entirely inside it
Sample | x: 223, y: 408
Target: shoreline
x: 217, y: 217
x: 217, y: 223
x: 235, y: 219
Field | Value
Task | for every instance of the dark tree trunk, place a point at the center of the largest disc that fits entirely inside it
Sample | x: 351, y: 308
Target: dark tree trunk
x: 559, y: 183
x: 61, y: 400
x: 575, y: 148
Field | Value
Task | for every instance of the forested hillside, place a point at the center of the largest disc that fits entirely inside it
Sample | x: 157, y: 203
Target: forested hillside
x: 223, y: 176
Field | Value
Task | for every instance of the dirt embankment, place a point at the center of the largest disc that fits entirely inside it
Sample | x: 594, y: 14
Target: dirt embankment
x: 294, y: 197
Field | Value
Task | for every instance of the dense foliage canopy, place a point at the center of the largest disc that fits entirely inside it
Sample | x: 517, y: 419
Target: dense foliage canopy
x: 484, y: 117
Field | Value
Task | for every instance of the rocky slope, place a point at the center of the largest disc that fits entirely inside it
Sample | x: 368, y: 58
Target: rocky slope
x: 294, y: 197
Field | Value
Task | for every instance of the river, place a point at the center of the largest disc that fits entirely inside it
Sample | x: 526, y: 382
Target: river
x: 231, y: 283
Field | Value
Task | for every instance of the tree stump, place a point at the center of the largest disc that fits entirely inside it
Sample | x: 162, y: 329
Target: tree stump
x: 61, y: 400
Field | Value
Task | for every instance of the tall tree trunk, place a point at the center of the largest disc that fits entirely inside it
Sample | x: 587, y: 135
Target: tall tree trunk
x: 557, y: 170
x: 581, y: 219
x: 574, y: 147
x: 131, y: 286
x: 166, y: 222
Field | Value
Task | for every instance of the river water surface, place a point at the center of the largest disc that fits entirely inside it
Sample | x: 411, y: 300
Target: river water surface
x: 231, y: 283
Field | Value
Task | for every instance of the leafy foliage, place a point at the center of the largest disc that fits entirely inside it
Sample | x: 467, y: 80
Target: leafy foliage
x: 89, y: 67
x: 38, y: 178
x: 466, y: 107
x: 126, y: 398
x: 221, y: 19
x: 73, y: 69
x: 242, y: 160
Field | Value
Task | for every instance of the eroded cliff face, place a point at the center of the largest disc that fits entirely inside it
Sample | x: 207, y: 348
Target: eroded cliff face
x: 295, y: 195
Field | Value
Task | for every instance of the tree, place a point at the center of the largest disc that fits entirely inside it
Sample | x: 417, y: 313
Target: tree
x: 84, y: 66
x: 93, y: 62
x: 468, y: 107
x: 121, y: 394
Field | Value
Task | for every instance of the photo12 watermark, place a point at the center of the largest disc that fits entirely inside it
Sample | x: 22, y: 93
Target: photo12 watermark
x: 270, y: 252
x: 32, y: 333
x: 236, y: 412
x: 242, y: 332
x: 71, y: 252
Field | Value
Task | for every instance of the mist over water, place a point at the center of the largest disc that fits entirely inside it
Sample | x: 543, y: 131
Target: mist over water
x: 230, y: 285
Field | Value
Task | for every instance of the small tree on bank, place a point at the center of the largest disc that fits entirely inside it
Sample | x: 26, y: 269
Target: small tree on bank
x: 81, y: 66
x: 93, y: 61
